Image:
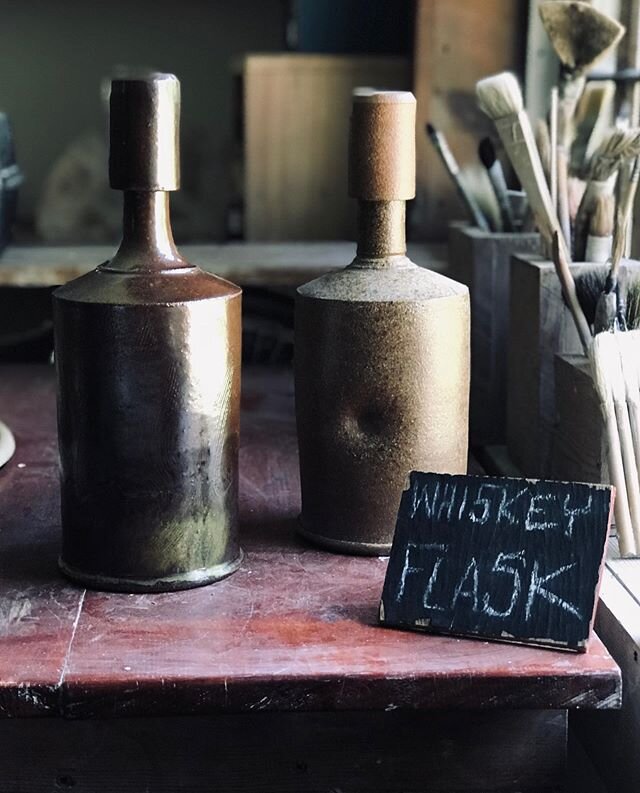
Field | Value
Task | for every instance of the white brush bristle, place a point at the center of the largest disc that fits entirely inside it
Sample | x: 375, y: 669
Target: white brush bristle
x: 500, y: 95
x: 629, y: 346
x: 475, y: 179
x: 608, y: 375
x: 598, y: 354
x: 618, y: 146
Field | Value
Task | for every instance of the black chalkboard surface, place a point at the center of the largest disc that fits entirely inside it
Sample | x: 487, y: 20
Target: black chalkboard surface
x: 506, y: 559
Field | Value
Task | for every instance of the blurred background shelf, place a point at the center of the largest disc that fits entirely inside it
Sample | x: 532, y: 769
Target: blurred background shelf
x: 249, y: 264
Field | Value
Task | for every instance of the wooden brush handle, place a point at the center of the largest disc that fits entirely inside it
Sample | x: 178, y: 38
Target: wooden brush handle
x: 624, y: 526
x: 569, y: 291
x: 630, y: 468
x: 517, y: 138
x: 634, y: 420
x: 562, y: 162
x: 593, y: 191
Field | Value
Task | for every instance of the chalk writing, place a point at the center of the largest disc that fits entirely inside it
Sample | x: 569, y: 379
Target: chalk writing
x: 497, y: 558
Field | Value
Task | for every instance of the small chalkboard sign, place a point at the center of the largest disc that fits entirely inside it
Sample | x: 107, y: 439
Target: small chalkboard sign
x: 506, y: 559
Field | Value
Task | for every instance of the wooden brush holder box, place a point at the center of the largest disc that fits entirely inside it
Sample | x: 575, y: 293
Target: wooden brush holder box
x: 481, y: 261
x: 541, y: 328
x: 578, y: 452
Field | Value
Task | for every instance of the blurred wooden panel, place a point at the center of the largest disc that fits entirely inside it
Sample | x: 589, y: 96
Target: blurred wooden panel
x: 456, y: 44
x: 296, y: 123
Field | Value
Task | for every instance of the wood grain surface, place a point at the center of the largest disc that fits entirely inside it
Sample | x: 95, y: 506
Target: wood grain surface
x: 294, y: 629
x: 482, y: 261
x: 456, y: 44
x: 296, y: 131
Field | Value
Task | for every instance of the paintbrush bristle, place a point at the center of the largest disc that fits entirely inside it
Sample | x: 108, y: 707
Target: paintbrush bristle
x: 593, y: 117
x: 590, y: 283
x: 500, y: 95
x: 602, y: 218
x: 579, y: 33
x: 598, y: 354
x: 487, y: 152
x: 633, y: 304
x: 629, y: 349
x: 478, y: 184
x: 617, y: 147
x: 575, y: 191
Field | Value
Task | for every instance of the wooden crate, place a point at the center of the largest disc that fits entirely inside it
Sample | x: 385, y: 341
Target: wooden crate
x: 577, y: 446
x: 296, y: 126
x: 541, y: 327
x: 482, y: 261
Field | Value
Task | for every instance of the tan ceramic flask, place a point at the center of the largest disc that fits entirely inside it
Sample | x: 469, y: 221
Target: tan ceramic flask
x: 381, y: 353
x: 148, y: 366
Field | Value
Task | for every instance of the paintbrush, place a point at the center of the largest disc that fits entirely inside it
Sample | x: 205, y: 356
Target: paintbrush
x: 477, y: 182
x: 608, y: 311
x: 449, y: 161
x: 501, y: 99
x: 590, y: 281
x: 625, y: 433
x: 594, y: 115
x: 606, y: 374
x: 629, y: 347
x: 632, y: 312
x: 487, y: 154
x: 617, y: 148
x: 553, y: 153
x: 601, y: 226
x: 568, y: 286
x: 543, y: 142
x: 575, y: 191
x: 581, y: 36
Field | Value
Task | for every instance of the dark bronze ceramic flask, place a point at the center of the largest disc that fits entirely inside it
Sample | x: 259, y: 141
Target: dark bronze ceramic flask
x: 381, y: 353
x: 148, y: 365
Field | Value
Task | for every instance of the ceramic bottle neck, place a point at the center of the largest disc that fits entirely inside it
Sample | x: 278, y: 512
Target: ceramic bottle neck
x: 381, y: 229
x: 147, y: 239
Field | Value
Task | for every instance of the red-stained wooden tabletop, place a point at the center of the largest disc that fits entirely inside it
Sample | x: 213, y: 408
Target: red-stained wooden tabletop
x: 293, y: 629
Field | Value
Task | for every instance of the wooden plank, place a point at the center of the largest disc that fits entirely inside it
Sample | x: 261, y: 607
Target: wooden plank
x: 482, y: 261
x: 456, y: 44
x: 510, y: 751
x: 294, y: 629
x: 577, y: 451
x: 296, y: 121
x: 540, y: 328
x: 249, y: 264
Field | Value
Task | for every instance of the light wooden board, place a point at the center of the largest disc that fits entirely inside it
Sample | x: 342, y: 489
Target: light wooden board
x: 456, y: 44
x: 296, y: 127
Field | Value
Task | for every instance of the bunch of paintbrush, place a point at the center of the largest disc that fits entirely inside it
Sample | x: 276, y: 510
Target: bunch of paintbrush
x: 484, y: 193
x: 587, y: 153
x: 614, y: 355
x: 501, y: 99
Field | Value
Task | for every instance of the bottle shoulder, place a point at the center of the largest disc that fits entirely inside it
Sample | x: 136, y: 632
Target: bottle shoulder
x: 179, y: 285
x: 402, y: 281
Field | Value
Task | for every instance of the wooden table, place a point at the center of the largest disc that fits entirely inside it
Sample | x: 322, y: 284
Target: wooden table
x: 276, y: 679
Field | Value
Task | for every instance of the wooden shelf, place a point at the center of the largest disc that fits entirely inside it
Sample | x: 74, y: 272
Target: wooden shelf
x: 249, y: 264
